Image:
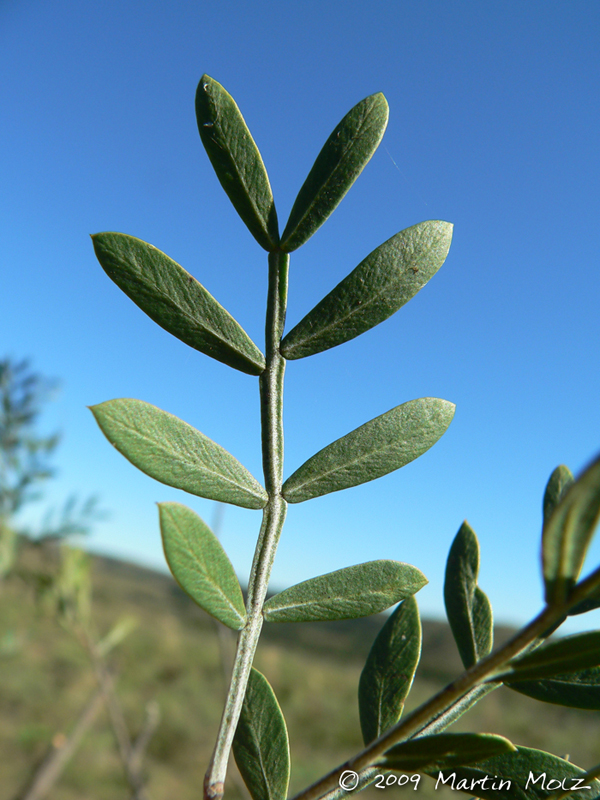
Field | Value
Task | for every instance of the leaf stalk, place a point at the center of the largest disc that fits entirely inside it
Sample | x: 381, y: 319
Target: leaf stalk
x: 271, y: 406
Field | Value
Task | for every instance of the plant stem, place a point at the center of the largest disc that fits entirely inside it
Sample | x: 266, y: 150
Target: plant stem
x: 369, y: 774
x: 271, y: 408
x: 441, y: 702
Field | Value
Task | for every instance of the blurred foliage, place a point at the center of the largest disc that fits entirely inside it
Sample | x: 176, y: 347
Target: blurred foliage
x: 173, y: 656
x: 25, y: 463
x: 24, y: 454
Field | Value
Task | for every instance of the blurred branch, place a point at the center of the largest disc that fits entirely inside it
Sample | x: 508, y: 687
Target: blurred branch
x: 60, y: 754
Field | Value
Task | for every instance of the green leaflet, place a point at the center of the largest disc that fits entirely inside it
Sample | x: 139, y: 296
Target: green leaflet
x: 567, y: 534
x: 237, y: 161
x: 346, y: 593
x: 338, y: 165
x: 468, y: 609
x: 200, y: 565
x: 260, y: 745
x: 389, y: 671
x: 382, y: 445
x: 526, y: 774
x: 381, y: 284
x: 573, y: 689
x: 557, y: 485
x: 444, y: 751
x: 172, y: 452
x: 569, y: 654
x: 176, y: 301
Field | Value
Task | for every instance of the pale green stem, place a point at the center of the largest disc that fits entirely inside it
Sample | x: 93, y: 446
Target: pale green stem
x: 452, y: 695
x: 271, y: 407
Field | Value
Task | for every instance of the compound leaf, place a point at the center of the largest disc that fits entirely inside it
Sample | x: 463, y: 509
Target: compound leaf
x: 260, y: 745
x: 176, y: 301
x: 343, y: 157
x: 567, y: 533
x: 172, y: 452
x: 526, y: 774
x: 568, y: 654
x: 389, y: 671
x: 236, y: 160
x: 445, y: 751
x: 200, y: 565
x: 573, y: 689
x: 348, y: 593
x: 468, y: 609
x: 382, y: 445
x: 381, y: 284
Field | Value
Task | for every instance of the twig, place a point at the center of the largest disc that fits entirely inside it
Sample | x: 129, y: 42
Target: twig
x: 444, y: 701
x: 59, y: 756
x: 131, y: 764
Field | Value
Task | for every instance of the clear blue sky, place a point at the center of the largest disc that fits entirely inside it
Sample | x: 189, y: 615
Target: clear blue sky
x: 494, y: 116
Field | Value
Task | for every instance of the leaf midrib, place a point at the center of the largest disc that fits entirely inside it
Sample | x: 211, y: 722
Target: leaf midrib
x: 356, y: 309
x: 219, y: 591
x: 324, y: 602
x: 263, y: 224
x: 345, y: 465
x: 255, y: 730
x: 179, y: 459
x: 323, y: 186
x: 188, y: 315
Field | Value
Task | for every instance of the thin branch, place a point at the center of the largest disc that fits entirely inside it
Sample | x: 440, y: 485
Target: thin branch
x: 59, y: 756
x: 455, y: 692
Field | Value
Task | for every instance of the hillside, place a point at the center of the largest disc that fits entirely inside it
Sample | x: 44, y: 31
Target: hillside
x: 173, y: 657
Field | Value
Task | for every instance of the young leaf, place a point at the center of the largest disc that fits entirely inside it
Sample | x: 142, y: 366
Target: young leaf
x: 568, y: 532
x: 381, y: 284
x: 389, y: 671
x: 526, y: 774
x: 557, y: 485
x: 573, y: 689
x: 176, y: 301
x: 260, y: 745
x: 338, y: 165
x: 569, y: 654
x: 444, y: 751
x: 236, y: 160
x: 172, y: 452
x: 382, y: 445
x: 200, y: 565
x: 346, y: 594
x: 468, y: 609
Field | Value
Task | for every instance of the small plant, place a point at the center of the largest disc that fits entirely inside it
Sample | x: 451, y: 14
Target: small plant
x: 174, y: 453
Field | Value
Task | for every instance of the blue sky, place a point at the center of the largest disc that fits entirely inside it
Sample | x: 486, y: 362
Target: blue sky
x: 493, y: 126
